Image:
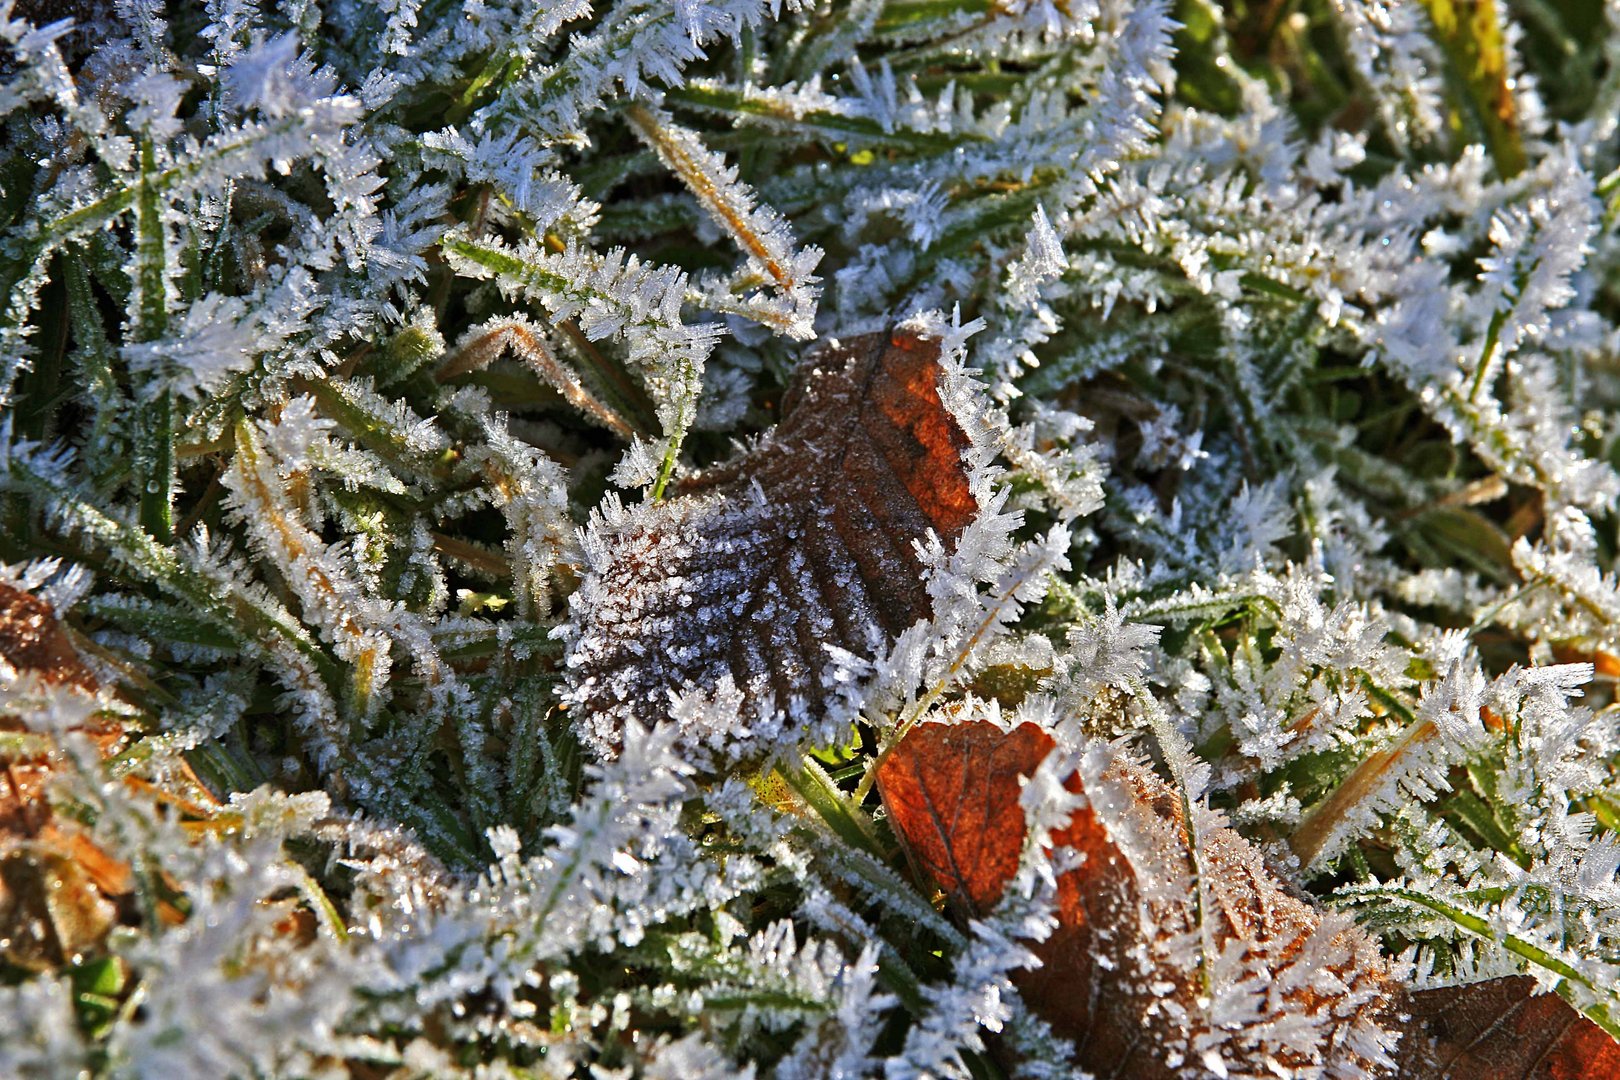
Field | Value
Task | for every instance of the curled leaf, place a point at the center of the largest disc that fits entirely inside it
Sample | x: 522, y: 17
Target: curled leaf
x: 1161, y: 966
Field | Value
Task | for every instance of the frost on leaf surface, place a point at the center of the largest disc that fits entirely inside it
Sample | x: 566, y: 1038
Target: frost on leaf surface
x: 325, y: 326
x: 724, y: 604
x: 1173, y: 955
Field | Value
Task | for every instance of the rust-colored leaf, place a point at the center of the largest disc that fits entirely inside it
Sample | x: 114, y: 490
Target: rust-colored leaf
x: 59, y: 892
x: 736, y: 587
x: 1502, y: 1030
x: 1163, y: 964
x: 51, y: 909
x: 952, y: 793
x: 32, y: 640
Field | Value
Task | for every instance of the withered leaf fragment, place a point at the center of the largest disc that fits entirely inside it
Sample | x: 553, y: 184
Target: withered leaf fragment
x: 1160, y: 966
x: 31, y: 639
x: 1502, y: 1030
x: 732, y: 592
x: 59, y: 893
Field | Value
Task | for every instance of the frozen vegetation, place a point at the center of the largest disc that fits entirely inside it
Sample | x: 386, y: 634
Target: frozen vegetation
x: 475, y: 679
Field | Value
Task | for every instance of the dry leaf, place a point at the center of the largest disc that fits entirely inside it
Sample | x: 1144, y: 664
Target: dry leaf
x: 1502, y: 1030
x: 52, y: 911
x: 32, y: 640
x: 59, y: 893
x: 1148, y: 974
x: 952, y: 793
x: 735, y: 589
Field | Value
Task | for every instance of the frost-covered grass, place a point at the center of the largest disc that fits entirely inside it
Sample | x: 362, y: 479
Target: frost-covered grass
x: 339, y: 342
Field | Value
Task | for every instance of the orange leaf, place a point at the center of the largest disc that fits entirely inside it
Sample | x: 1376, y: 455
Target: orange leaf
x: 1501, y: 1030
x: 57, y: 888
x: 736, y: 587
x: 952, y: 792
x: 1156, y: 951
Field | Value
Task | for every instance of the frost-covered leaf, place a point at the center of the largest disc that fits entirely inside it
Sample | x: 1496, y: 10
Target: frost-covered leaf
x: 1167, y: 960
x: 720, y: 606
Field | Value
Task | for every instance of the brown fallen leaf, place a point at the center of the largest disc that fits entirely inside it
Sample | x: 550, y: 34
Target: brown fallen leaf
x: 52, y: 911
x: 59, y: 892
x: 1502, y: 1030
x: 736, y: 587
x: 31, y: 639
x: 1150, y: 975
x: 951, y: 791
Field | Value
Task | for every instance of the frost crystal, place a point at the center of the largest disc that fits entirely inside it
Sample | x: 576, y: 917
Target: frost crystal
x: 489, y: 484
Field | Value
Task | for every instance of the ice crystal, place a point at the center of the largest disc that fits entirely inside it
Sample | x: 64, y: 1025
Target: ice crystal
x: 489, y: 482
